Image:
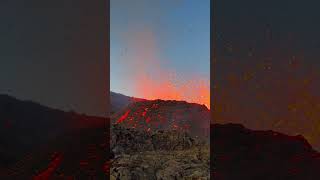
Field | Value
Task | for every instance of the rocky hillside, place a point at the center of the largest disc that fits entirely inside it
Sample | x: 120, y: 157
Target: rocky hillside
x: 171, y: 154
x: 158, y: 139
x: 240, y: 153
x: 153, y: 115
x: 119, y: 101
x: 48, y: 143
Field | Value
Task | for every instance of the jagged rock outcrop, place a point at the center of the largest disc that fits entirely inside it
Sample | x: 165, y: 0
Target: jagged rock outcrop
x: 129, y: 140
x: 171, y: 154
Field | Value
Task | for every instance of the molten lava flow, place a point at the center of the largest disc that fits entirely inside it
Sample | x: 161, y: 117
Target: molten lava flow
x: 54, y: 164
x: 144, y: 112
x: 148, y: 120
x: 123, y: 117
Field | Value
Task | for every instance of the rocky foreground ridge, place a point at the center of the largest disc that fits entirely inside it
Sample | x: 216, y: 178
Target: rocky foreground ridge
x: 161, y: 154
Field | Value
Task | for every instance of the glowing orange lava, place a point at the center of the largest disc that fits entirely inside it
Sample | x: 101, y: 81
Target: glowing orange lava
x: 123, y: 117
x: 154, y: 80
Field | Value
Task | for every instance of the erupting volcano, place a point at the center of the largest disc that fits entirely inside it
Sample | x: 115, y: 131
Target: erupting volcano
x: 160, y: 56
x: 148, y: 75
x: 165, y: 114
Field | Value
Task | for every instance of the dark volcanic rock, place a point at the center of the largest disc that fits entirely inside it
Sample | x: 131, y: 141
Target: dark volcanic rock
x: 240, y: 153
x: 157, y: 139
x: 129, y: 140
x: 158, y: 154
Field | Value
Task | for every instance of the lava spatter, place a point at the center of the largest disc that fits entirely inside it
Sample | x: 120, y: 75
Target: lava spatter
x: 162, y: 114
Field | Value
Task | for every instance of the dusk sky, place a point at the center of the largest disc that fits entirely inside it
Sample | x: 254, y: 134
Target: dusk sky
x: 54, y: 53
x: 267, y: 66
x: 161, y: 49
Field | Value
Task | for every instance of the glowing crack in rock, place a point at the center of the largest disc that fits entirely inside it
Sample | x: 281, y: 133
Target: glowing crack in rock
x: 123, y: 117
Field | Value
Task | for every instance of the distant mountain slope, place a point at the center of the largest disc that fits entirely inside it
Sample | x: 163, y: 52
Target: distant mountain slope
x: 120, y: 101
x: 240, y: 153
x: 165, y: 114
